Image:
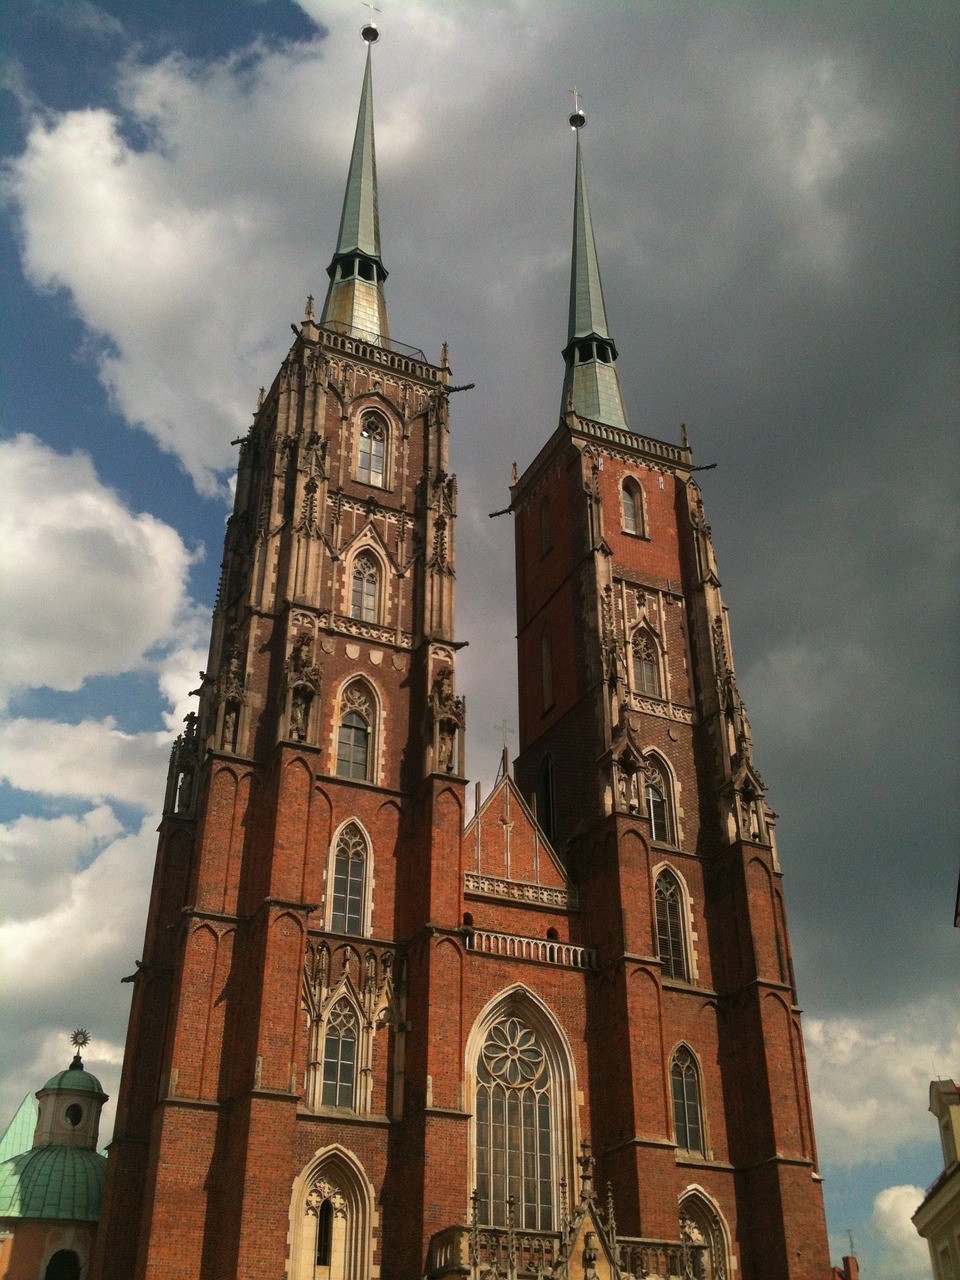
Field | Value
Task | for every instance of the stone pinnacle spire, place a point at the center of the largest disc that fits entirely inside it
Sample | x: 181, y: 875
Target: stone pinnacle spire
x: 355, y: 302
x: 591, y: 385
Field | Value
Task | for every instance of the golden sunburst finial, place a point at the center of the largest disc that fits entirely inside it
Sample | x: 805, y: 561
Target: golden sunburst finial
x: 80, y: 1038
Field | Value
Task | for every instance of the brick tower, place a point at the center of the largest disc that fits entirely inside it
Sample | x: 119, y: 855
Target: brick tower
x: 367, y: 1039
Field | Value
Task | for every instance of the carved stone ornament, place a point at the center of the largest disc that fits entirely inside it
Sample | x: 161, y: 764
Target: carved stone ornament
x: 322, y: 1191
x: 355, y: 699
x: 300, y: 667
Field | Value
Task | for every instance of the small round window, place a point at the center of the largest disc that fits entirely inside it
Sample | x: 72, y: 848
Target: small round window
x: 74, y: 1113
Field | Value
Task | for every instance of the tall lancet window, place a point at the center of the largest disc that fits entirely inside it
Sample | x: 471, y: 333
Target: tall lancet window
x: 340, y: 1056
x: 365, y: 597
x: 514, y: 1128
x: 355, y: 733
x: 633, y: 513
x: 687, y: 1109
x: 372, y: 450
x: 646, y: 664
x: 349, y: 868
x: 671, y: 944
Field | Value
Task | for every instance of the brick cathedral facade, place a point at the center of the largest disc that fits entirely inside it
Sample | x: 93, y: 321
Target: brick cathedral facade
x: 370, y: 1037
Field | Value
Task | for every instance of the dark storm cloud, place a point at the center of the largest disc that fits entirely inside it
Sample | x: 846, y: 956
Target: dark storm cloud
x: 773, y: 192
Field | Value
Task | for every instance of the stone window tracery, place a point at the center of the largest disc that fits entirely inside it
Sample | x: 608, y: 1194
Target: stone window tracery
x: 349, y: 876
x: 646, y: 664
x: 331, y: 1220
x: 340, y: 1056
x: 514, y: 1127
x: 355, y: 733
x: 372, y: 450
x: 365, y: 590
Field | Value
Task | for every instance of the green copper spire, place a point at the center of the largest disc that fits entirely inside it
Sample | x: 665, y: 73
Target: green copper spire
x: 355, y: 302
x: 591, y: 385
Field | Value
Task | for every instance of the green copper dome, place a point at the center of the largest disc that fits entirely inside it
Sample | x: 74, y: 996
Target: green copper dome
x: 75, y: 1079
x: 63, y: 1184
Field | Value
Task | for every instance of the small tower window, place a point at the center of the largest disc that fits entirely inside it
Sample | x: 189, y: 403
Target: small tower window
x: 657, y: 812
x: 356, y: 732
x: 372, y: 450
x: 687, y: 1110
x: 646, y: 665
x: 365, y: 597
x: 657, y: 802
x: 340, y: 1056
x: 671, y: 944
x: 633, y: 514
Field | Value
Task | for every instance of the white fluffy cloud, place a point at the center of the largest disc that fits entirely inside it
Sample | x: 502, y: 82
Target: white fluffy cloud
x: 88, y: 587
x: 62, y: 968
x: 92, y: 760
x: 902, y: 1254
x: 38, y: 856
x: 870, y: 1078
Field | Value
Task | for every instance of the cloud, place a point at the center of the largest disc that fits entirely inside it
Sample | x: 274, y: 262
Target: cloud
x: 92, y: 760
x: 902, y: 1253
x: 39, y: 855
x: 869, y: 1078
x: 88, y: 588
x: 62, y: 968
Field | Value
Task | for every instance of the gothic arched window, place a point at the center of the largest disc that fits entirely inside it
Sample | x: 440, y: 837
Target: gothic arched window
x: 633, y: 514
x: 340, y: 1056
x: 331, y: 1233
x: 646, y: 664
x: 657, y: 805
x: 372, y: 450
x: 687, y: 1108
x: 514, y: 1127
x: 349, y: 876
x: 365, y: 593
x: 671, y: 942
x: 355, y: 733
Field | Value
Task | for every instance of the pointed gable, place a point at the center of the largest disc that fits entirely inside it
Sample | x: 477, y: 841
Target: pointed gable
x: 507, y: 855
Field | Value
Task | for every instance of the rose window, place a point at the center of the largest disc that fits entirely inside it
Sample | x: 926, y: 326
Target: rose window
x: 514, y: 1128
x: 511, y: 1053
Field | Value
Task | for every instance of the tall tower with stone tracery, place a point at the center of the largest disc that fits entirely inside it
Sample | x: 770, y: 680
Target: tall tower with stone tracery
x: 370, y: 1038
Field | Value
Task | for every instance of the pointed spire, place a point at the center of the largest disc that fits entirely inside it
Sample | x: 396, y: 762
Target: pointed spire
x: 355, y: 302
x: 591, y: 386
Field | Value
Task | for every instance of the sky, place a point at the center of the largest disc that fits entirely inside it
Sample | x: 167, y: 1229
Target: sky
x: 774, y: 191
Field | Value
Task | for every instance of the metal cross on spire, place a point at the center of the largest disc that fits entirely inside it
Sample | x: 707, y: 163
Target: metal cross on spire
x: 369, y: 31
x: 578, y: 119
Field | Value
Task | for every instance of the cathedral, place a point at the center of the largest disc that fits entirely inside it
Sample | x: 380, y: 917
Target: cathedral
x: 371, y: 1037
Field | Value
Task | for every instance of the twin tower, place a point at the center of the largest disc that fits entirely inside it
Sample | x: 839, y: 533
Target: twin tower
x: 371, y: 1039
